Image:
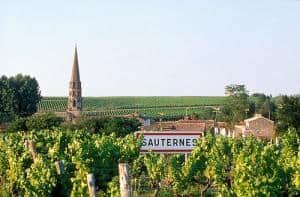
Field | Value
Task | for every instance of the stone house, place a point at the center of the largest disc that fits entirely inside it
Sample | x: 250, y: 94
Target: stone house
x: 257, y: 126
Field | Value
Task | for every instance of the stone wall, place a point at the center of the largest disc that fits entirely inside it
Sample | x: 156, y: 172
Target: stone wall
x: 260, y: 128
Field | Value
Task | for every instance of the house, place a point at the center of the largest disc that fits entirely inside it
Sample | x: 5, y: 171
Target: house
x: 181, y: 125
x: 257, y: 126
x: 220, y: 128
x: 190, y: 125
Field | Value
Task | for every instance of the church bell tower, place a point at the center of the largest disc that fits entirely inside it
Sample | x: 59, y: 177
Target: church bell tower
x: 75, y: 98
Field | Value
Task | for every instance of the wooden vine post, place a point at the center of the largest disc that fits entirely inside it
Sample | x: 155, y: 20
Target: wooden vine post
x: 31, y: 146
x: 59, y: 167
x: 91, y: 184
x: 124, y: 179
x: 277, y: 141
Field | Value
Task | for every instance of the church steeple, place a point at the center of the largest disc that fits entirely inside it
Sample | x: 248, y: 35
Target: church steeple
x: 75, y: 98
x: 75, y: 71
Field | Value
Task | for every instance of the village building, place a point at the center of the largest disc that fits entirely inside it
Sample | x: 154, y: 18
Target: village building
x: 220, y: 128
x: 181, y: 125
x: 75, y: 98
x: 257, y: 126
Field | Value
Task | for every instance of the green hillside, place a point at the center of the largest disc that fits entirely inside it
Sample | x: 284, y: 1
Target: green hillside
x: 174, y: 106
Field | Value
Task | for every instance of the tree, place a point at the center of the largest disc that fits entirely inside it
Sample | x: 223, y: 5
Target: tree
x: 288, y: 113
x: 235, y: 89
x: 6, y: 98
x: 120, y: 125
x: 263, y: 104
x: 236, y: 106
x: 19, y: 96
x: 26, y: 94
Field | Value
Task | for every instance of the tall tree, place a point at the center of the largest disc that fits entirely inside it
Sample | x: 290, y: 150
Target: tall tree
x: 236, y: 90
x: 19, y: 95
x: 236, y: 107
x: 288, y: 113
x: 262, y: 104
x: 6, y: 101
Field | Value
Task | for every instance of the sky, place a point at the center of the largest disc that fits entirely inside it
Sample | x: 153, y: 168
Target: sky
x: 153, y: 47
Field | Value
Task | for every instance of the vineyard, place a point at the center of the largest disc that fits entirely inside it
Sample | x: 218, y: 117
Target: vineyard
x: 152, y: 107
x: 217, y: 166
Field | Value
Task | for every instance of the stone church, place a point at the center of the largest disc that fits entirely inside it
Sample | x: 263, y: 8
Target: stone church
x: 75, y: 97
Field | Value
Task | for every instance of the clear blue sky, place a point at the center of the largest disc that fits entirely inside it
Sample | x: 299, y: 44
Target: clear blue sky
x: 157, y: 47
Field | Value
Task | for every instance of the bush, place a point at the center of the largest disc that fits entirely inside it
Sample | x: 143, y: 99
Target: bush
x: 119, y: 125
x: 37, y: 122
x: 45, y: 121
x: 7, y: 117
x: 18, y: 125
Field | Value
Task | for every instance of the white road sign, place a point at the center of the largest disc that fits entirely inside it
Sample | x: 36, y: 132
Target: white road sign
x: 169, y: 141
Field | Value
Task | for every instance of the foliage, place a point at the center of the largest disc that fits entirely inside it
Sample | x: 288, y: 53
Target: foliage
x: 113, y: 187
x: 257, y: 172
x: 18, y: 125
x: 119, y: 125
x: 19, y: 96
x: 40, y: 178
x: 6, y: 101
x: 80, y: 152
x: 44, y: 121
x: 263, y: 104
x: 217, y: 166
x: 290, y: 149
x: 237, y: 104
x: 221, y: 166
x: 235, y: 90
x: 36, y: 122
x: 296, y: 175
x: 288, y: 113
x: 155, y: 166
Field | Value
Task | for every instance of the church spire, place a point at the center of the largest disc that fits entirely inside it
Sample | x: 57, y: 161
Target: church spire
x: 75, y: 71
x: 75, y: 98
